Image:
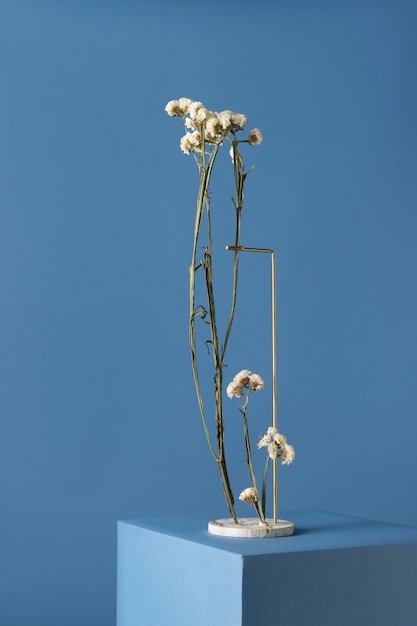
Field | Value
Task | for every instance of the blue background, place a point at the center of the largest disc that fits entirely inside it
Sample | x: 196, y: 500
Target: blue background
x: 99, y: 420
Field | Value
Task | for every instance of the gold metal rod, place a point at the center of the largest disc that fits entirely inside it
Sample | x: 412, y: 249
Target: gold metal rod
x: 274, y: 362
x: 274, y: 381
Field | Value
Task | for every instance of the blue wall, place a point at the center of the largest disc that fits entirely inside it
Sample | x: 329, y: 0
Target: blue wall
x: 98, y: 416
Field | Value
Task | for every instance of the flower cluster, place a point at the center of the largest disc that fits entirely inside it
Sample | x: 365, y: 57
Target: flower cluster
x: 249, y: 496
x: 212, y: 127
x: 277, y: 446
x: 244, y: 380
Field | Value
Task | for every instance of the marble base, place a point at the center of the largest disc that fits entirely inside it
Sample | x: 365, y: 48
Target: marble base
x: 251, y: 527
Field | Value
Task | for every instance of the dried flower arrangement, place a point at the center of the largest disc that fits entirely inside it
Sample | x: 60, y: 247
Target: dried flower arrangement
x: 205, y: 133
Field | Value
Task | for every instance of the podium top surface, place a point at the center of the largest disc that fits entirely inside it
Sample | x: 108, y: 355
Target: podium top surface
x: 314, y: 531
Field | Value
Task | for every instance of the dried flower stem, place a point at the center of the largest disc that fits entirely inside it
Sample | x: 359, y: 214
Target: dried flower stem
x: 203, y: 205
x: 258, y: 503
x: 264, y: 484
x: 239, y: 177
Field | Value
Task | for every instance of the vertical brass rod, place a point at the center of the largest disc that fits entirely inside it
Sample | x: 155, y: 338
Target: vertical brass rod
x: 274, y: 362
x: 274, y: 381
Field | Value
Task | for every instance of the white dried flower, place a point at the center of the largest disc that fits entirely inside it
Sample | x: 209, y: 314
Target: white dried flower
x: 233, y: 390
x: 196, y: 139
x: 213, y: 123
x: 242, y: 378
x: 189, y: 123
x: 280, y: 440
x: 186, y: 144
x: 238, y: 121
x: 184, y: 105
x: 202, y: 115
x: 255, y: 137
x: 194, y: 108
x: 277, y: 445
x: 248, y: 495
x: 256, y: 382
x: 190, y: 141
x: 173, y: 108
x: 287, y: 454
x: 264, y: 441
x: 213, y: 137
x: 213, y: 127
x: 272, y: 450
x: 225, y: 119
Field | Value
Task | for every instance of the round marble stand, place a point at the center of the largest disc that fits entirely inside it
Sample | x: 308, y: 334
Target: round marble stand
x: 250, y: 527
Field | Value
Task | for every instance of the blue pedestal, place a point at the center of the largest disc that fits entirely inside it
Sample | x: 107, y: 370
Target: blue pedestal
x: 334, y: 571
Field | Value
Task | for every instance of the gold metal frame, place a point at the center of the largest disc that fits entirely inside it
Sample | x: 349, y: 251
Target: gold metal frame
x: 274, y: 360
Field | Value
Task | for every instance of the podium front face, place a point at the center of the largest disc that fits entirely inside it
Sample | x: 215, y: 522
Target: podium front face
x: 335, y: 570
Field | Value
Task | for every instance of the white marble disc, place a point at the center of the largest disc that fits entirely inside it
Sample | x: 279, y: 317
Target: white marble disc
x: 250, y: 527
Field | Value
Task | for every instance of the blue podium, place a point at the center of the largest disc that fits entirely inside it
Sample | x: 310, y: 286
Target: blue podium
x: 334, y: 571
